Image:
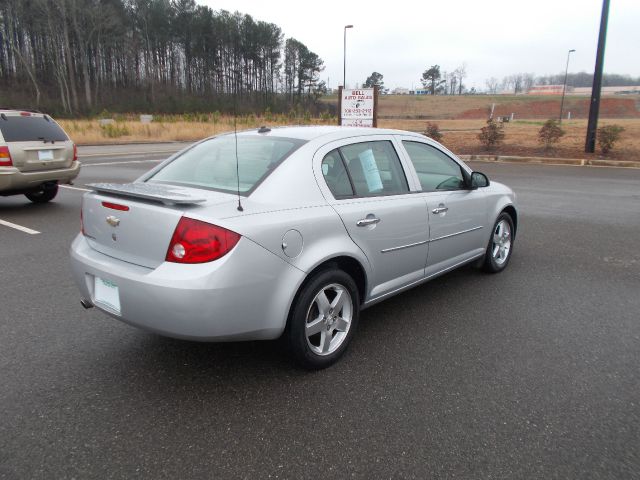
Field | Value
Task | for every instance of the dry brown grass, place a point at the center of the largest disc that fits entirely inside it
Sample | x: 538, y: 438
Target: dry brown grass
x: 459, y: 135
x: 521, y: 137
x: 172, y: 128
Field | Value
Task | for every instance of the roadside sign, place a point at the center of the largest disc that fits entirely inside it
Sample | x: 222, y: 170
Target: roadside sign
x: 358, y: 107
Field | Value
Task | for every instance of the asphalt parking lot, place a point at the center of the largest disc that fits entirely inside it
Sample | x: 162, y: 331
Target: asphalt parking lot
x: 531, y: 373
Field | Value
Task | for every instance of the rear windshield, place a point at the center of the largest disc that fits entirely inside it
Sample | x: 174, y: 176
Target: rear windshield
x: 212, y: 164
x: 30, y: 129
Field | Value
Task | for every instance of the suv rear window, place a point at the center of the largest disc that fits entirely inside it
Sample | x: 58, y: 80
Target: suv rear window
x: 17, y: 128
x: 212, y: 164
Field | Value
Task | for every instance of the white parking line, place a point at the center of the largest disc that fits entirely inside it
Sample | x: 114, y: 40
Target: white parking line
x: 101, y: 164
x: 19, y: 227
x: 75, y: 188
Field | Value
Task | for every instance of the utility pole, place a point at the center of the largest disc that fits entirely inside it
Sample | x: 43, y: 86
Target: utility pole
x: 594, y: 108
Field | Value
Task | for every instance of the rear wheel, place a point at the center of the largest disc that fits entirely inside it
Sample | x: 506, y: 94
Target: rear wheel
x: 323, y: 319
x: 44, y: 194
x: 500, y: 245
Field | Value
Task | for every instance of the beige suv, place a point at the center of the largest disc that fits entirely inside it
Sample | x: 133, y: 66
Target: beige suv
x: 35, y: 155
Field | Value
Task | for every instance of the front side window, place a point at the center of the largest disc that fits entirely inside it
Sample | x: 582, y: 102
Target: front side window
x: 213, y: 164
x: 374, y: 169
x: 436, y: 170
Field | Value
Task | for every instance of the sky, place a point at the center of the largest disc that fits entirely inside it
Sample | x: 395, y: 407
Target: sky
x: 492, y: 38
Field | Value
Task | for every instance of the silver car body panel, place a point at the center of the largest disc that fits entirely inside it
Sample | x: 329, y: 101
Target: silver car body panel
x: 290, y: 224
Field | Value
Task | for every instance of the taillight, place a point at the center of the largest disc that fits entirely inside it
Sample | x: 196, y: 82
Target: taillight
x: 82, y: 223
x: 5, y: 157
x: 75, y: 152
x: 194, y: 241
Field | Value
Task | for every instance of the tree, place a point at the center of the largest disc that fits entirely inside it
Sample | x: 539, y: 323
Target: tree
x: 491, y: 135
x: 431, y: 79
x: 374, y: 79
x: 550, y: 133
x: 460, y: 73
x: 492, y: 85
x: 607, y: 136
x: 88, y: 55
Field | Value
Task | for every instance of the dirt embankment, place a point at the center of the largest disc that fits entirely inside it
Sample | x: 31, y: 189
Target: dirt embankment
x: 579, y: 108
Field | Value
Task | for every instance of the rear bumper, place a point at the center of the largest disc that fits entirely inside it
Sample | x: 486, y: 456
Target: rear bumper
x: 245, y: 295
x: 13, y: 179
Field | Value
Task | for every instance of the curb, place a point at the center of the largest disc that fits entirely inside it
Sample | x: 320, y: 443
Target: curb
x: 580, y: 162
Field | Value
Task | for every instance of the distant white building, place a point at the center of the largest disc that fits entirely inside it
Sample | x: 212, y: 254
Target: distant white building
x: 400, y: 91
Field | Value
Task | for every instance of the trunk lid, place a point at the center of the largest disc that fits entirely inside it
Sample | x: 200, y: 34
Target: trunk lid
x: 135, y: 222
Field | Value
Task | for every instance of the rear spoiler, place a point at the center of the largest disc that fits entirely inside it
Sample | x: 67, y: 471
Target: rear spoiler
x: 156, y: 192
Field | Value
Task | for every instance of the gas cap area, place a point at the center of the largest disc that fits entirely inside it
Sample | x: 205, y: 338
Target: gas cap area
x: 292, y: 243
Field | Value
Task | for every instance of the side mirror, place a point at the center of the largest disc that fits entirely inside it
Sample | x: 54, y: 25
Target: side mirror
x: 479, y: 180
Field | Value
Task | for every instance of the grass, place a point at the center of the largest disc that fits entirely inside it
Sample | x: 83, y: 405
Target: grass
x: 175, y: 127
x: 460, y: 135
x: 521, y: 138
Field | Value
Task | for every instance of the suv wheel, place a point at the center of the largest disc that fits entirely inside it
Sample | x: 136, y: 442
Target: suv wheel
x: 44, y: 194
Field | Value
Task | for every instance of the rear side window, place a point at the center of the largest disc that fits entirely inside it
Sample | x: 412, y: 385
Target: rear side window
x: 30, y: 129
x: 374, y: 169
x: 212, y: 164
x: 336, y: 176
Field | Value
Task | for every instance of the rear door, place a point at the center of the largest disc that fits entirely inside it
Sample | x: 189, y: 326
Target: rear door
x: 457, y: 215
x: 35, y: 141
x: 364, y: 180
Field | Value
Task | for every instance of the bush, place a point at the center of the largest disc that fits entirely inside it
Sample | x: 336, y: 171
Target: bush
x: 433, y: 131
x: 607, y: 136
x: 113, y: 130
x: 492, y: 135
x: 550, y: 133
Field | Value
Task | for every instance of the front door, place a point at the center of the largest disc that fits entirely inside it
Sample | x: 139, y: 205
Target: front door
x: 457, y: 215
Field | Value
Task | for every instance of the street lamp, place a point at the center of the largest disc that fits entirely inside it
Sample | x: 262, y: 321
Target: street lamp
x: 564, y: 86
x: 344, y: 72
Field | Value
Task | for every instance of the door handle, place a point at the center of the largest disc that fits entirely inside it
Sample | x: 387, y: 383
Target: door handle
x: 370, y: 220
x: 441, y: 209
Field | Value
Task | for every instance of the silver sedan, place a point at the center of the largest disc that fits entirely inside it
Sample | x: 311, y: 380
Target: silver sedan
x: 291, y: 231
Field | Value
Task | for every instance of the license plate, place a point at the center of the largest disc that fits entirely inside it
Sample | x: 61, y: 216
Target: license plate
x: 106, y: 293
x: 45, y: 154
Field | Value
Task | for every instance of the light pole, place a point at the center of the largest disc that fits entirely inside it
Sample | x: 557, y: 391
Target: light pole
x: 564, y: 86
x: 344, y: 72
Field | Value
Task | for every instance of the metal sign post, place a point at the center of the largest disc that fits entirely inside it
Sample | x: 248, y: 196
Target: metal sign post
x: 358, y: 107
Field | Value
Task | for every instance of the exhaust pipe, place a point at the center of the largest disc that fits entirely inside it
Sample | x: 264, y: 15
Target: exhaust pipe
x: 86, y: 303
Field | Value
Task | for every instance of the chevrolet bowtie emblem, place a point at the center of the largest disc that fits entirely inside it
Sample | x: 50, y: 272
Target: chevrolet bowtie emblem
x: 113, y: 221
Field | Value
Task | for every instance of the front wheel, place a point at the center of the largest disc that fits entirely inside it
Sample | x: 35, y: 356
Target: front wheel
x: 45, y: 194
x: 500, y: 245
x: 323, y: 319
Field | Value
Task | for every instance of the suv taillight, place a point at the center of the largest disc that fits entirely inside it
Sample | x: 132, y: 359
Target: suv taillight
x: 5, y: 157
x: 195, y: 241
x: 75, y: 152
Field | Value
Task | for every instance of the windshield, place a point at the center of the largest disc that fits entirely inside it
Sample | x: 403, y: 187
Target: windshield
x: 30, y: 129
x: 212, y: 164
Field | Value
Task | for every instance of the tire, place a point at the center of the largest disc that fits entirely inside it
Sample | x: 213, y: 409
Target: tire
x: 45, y: 194
x: 323, y: 319
x: 500, y: 245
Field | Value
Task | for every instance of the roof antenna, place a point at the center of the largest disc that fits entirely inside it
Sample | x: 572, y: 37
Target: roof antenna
x: 235, y: 135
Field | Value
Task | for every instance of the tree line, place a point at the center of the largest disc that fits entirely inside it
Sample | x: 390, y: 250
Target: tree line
x: 83, y: 56
x: 522, y: 82
x: 438, y: 82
